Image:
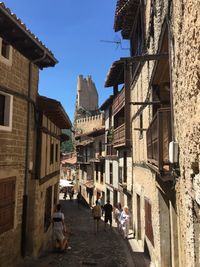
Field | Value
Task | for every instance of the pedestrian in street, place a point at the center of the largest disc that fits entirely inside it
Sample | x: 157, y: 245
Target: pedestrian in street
x: 117, y: 212
x: 59, y: 229
x: 125, y: 221
x: 96, y: 212
x: 100, y: 202
x: 108, y: 209
x: 79, y: 199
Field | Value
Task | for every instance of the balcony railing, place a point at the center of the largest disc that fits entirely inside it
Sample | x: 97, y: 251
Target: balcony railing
x: 158, y: 138
x: 119, y: 136
x: 118, y: 102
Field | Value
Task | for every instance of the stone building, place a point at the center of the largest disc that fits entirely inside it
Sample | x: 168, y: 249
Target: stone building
x: 44, y: 185
x: 90, y: 157
x: 118, y: 146
x: 163, y: 70
x: 21, y: 57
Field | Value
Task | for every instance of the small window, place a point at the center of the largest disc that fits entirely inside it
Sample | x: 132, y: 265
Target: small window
x: 5, y: 52
x: 5, y: 48
x: 100, y: 148
x: 125, y: 167
x: 111, y: 173
x: 141, y: 126
x: 56, y: 152
x: 6, y: 106
x: 97, y: 172
x: 51, y: 153
x: 102, y: 171
x: 120, y: 175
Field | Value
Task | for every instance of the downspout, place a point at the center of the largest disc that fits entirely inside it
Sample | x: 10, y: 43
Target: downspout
x: 26, y: 176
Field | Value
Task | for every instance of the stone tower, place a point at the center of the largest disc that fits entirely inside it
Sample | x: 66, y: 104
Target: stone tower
x: 86, y: 97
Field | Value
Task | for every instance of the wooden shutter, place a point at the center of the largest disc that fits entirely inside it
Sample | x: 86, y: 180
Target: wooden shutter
x: 148, y: 222
x: 7, y: 203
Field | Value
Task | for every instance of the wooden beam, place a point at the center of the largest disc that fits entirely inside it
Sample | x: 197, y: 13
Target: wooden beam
x: 140, y: 129
x: 145, y: 103
x: 145, y: 58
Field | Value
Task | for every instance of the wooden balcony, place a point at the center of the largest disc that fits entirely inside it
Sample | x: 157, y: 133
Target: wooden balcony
x: 119, y: 136
x: 158, y: 138
x: 119, y: 102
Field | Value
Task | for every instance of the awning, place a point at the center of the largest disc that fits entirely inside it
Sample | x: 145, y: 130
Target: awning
x: 89, y: 184
x: 85, y: 143
x: 115, y: 75
x: 65, y: 183
x: 54, y: 111
x: 70, y: 161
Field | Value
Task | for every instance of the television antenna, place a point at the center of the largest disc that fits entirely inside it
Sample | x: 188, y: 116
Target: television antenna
x: 117, y: 41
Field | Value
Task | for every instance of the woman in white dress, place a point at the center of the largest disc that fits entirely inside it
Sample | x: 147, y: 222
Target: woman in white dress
x: 124, y: 221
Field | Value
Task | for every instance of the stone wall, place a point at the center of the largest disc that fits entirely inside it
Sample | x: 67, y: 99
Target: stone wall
x: 186, y: 98
x: 88, y: 124
x: 13, y: 145
x: 184, y: 66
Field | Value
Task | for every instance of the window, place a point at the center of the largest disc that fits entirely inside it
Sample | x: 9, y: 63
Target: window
x: 5, y: 52
x: 97, y: 172
x: 6, y: 107
x: 5, y: 49
x: 100, y: 148
x: 47, y: 212
x: 2, y: 109
x: 111, y: 173
x: 56, y: 152
x: 120, y: 174
x: 141, y: 126
x: 51, y: 153
x: 102, y: 171
x: 7, y: 204
x: 125, y: 167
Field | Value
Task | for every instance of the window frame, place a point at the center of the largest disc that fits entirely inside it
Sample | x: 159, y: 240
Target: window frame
x: 8, y: 112
x: 6, y: 60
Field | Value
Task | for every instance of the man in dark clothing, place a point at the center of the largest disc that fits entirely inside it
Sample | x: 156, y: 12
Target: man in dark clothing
x: 108, y: 208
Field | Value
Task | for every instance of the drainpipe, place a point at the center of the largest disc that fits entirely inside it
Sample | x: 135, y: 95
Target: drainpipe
x: 25, y: 196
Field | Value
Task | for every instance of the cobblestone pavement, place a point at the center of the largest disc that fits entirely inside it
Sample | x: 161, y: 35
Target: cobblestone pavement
x: 107, y: 249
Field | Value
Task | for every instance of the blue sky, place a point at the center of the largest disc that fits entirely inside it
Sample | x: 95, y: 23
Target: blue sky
x: 72, y: 30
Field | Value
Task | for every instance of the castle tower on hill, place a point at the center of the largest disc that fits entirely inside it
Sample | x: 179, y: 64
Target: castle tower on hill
x: 86, y: 98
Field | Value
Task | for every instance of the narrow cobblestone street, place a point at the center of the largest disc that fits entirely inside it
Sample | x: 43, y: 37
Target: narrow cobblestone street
x: 107, y: 249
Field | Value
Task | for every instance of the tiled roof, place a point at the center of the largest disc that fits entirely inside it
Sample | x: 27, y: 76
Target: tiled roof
x: 54, y: 111
x: 125, y: 13
x: 15, y: 32
x: 115, y: 75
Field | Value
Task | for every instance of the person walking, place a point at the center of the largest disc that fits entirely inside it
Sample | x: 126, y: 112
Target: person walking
x: 118, y: 211
x: 79, y: 199
x: 108, y: 209
x: 96, y: 212
x: 125, y: 221
x: 59, y: 229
